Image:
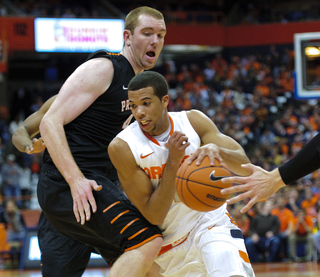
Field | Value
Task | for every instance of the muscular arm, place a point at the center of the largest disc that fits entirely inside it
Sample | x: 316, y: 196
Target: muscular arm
x: 154, y: 204
x: 81, y: 89
x: 22, y: 137
x: 220, y: 146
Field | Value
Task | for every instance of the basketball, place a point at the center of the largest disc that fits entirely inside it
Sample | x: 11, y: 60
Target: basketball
x: 198, y: 186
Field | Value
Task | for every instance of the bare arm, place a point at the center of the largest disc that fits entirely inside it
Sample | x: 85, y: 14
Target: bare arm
x: 82, y: 88
x: 217, y: 145
x: 154, y: 204
x: 22, y: 137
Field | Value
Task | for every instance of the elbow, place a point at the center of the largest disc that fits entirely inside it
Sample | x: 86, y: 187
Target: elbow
x: 44, y: 126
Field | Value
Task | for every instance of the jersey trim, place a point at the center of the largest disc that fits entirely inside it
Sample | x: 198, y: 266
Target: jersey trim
x: 153, y: 139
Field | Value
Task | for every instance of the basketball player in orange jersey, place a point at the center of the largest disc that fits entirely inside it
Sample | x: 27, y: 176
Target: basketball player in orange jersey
x: 147, y: 155
x: 90, y: 109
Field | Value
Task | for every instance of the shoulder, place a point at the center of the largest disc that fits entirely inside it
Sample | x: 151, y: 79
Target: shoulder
x: 196, y: 116
x: 117, y: 143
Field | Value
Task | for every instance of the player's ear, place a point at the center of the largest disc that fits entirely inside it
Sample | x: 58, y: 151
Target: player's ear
x: 165, y: 101
x: 127, y: 37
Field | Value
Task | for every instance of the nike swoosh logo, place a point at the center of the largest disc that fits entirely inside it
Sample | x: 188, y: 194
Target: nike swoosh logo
x: 215, y: 178
x: 124, y: 88
x: 143, y: 157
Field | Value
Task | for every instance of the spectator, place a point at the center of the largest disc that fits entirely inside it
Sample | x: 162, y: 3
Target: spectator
x: 302, y: 232
x: 264, y: 228
x: 14, y: 223
x: 25, y: 186
x: 11, y: 176
x: 310, y: 201
x: 286, y: 223
x: 316, y: 236
x: 293, y: 200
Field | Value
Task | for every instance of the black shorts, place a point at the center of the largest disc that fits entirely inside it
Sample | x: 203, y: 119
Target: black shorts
x: 117, y: 222
x: 60, y: 255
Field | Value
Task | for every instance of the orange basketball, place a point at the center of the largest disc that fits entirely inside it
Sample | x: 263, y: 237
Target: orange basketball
x: 198, y: 186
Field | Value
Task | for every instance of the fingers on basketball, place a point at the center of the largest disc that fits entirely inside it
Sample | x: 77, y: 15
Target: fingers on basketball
x: 199, y: 186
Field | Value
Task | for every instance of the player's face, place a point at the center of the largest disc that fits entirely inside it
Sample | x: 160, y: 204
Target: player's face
x: 147, y: 41
x: 149, y: 111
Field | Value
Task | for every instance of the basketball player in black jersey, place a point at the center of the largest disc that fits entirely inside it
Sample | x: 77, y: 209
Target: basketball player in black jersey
x: 90, y: 109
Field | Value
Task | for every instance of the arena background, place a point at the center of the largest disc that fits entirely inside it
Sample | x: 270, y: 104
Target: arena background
x: 234, y: 60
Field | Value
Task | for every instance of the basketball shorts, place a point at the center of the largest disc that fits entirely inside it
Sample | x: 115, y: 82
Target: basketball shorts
x: 60, y: 255
x: 116, y: 227
x: 212, y: 248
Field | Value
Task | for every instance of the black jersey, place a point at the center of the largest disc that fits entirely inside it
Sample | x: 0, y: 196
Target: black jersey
x: 91, y: 132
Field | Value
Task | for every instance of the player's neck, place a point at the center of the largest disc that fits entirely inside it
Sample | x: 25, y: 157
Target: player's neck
x: 164, y: 136
x: 129, y: 56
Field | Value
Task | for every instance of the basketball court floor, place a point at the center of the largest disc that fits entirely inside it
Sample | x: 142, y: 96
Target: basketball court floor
x: 310, y: 269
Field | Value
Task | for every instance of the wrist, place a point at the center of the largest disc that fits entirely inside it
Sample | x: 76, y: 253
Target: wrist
x: 277, y: 180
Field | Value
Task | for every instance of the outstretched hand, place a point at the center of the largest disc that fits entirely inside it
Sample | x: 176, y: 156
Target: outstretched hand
x: 83, y: 200
x: 258, y: 186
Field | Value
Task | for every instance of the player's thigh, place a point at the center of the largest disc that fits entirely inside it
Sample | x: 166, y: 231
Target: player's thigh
x: 224, y: 253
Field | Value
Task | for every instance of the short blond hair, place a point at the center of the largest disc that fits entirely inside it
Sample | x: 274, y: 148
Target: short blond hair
x: 132, y: 19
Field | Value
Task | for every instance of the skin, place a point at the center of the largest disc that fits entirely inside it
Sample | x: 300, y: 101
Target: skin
x: 151, y: 114
x: 258, y: 186
x: 80, y: 90
x: 22, y: 137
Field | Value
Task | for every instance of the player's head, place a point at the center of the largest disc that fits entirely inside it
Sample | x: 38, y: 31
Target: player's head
x: 132, y: 18
x: 148, y: 98
x: 143, y: 37
x: 150, y: 79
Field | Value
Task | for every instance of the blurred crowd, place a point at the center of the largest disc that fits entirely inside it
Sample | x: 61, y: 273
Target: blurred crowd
x: 229, y: 12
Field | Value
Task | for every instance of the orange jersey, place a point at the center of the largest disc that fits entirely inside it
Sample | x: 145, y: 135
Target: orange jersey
x: 301, y: 231
x: 285, y: 217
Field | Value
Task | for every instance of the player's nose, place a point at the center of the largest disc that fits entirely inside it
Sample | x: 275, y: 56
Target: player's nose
x: 140, y: 112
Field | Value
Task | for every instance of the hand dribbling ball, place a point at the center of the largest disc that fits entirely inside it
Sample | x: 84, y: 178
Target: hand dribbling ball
x: 199, y: 186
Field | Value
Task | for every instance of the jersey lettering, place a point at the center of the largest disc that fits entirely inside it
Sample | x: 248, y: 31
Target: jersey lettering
x: 156, y: 172
x: 125, y: 105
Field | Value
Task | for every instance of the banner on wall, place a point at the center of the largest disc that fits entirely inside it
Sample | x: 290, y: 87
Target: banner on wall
x: 78, y: 35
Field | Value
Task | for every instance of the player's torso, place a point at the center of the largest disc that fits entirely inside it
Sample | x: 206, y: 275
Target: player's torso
x: 151, y: 156
x: 90, y: 133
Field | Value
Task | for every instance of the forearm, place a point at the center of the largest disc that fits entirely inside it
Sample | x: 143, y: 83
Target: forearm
x: 234, y: 159
x: 161, y: 199
x: 21, y: 139
x: 304, y: 163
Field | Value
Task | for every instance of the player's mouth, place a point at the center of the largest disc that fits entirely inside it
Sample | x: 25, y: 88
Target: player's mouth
x: 151, y: 55
x: 145, y: 123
